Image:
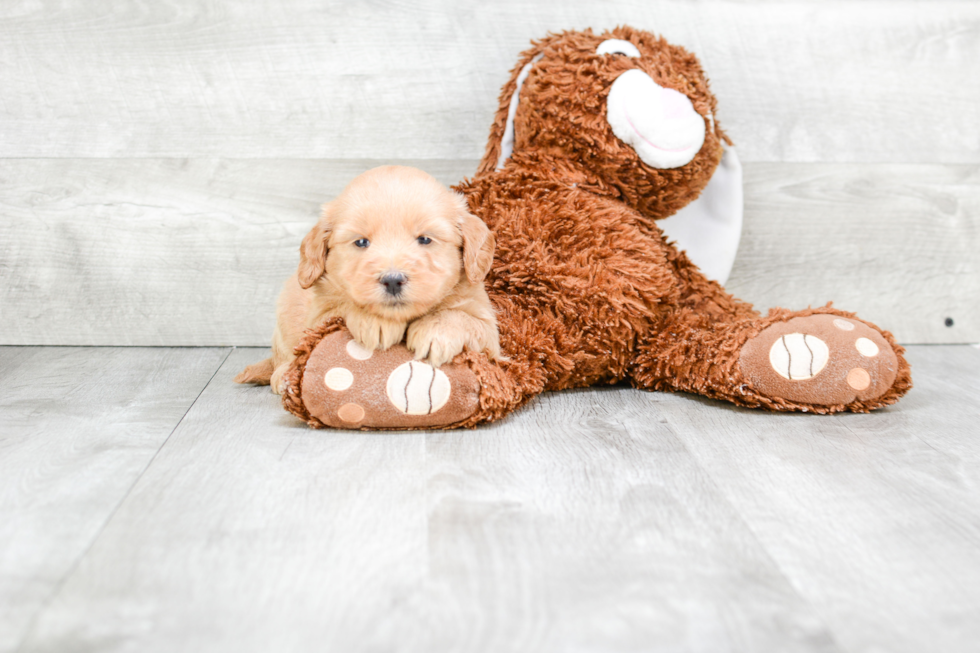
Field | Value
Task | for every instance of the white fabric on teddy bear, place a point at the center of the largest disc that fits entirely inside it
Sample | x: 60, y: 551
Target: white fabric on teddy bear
x: 709, y: 228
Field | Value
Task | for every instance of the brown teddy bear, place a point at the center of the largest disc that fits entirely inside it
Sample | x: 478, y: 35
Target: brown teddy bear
x: 596, y: 138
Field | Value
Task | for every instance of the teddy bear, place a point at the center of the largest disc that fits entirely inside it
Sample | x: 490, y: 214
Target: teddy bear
x: 597, y: 137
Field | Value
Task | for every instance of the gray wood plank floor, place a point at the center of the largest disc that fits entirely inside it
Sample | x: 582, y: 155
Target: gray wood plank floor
x: 149, y: 504
x: 77, y: 428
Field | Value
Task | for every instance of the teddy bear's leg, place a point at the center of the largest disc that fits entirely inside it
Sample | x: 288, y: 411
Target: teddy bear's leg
x: 818, y: 360
x: 337, y: 383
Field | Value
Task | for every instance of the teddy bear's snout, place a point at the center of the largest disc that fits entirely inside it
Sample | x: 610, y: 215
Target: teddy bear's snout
x: 659, y: 123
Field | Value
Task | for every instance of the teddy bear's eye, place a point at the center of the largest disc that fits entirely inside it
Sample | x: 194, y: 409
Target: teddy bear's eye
x: 618, y: 46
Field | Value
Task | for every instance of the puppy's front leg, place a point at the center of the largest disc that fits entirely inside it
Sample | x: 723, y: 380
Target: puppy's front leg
x: 373, y: 332
x: 439, y: 337
x: 276, y: 380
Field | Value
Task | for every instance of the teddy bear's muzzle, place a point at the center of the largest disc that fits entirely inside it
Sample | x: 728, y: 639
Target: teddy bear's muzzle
x: 659, y: 123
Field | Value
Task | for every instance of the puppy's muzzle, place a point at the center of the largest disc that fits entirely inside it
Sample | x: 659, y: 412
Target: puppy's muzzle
x: 393, y: 282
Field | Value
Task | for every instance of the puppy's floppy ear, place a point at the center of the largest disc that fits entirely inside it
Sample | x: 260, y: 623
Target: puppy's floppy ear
x: 313, y: 250
x: 478, y: 245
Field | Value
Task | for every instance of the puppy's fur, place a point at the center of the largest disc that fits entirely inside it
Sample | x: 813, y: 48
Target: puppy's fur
x: 391, y: 222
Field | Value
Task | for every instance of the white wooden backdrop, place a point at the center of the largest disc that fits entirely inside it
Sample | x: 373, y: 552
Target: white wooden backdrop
x: 160, y: 160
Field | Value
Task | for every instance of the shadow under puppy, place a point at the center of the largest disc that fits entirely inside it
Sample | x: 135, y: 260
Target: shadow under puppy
x: 396, y: 251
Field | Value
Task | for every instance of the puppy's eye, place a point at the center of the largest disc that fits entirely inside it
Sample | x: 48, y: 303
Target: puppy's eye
x: 424, y: 240
x: 362, y: 242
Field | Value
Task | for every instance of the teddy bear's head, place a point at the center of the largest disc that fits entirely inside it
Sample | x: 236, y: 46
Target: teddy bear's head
x: 623, y: 112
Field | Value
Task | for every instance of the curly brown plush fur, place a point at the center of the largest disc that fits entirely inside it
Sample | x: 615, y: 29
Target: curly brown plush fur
x: 586, y: 287
x: 292, y: 388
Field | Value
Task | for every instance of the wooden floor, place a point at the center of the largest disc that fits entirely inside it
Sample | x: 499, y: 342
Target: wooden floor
x: 149, y: 504
x: 160, y: 163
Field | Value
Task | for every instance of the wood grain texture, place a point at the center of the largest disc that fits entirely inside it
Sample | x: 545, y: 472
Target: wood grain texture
x: 594, y: 520
x: 252, y: 532
x: 194, y: 252
x: 77, y: 428
x: 157, y: 252
x: 805, y: 81
x: 896, y: 243
x: 874, y: 518
x: 582, y: 523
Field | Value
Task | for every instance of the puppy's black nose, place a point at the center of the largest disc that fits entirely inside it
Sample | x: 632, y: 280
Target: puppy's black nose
x: 393, y: 282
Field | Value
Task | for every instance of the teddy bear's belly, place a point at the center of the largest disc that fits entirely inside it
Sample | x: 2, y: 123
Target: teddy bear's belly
x: 583, y: 331
x: 574, y: 276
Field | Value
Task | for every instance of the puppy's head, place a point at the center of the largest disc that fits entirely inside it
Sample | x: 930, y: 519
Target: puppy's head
x: 396, y: 242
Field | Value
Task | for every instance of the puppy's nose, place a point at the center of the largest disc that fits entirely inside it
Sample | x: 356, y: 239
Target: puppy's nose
x: 393, y: 282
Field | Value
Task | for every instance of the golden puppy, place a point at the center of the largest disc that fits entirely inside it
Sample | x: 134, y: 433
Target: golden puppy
x: 395, y: 251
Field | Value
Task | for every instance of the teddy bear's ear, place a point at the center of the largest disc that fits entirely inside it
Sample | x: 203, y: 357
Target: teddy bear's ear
x: 313, y: 250
x: 508, y: 97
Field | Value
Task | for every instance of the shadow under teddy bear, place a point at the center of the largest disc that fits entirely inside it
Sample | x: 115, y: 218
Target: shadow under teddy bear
x: 596, y: 138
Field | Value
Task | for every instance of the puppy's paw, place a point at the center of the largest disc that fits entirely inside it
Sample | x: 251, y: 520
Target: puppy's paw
x: 276, y: 381
x: 439, y: 337
x: 373, y: 332
x: 435, y: 340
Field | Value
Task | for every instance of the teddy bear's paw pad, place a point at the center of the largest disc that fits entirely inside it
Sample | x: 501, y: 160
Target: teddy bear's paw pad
x: 347, y: 386
x: 821, y: 360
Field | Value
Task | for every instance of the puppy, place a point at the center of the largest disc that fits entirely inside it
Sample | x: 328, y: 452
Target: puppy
x: 397, y: 251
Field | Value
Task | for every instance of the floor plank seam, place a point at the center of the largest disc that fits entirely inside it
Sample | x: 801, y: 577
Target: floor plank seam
x: 95, y: 538
x: 724, y: 496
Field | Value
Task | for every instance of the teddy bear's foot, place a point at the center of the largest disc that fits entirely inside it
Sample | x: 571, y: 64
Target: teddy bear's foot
x: 821, y: 360
x: 344, y: 385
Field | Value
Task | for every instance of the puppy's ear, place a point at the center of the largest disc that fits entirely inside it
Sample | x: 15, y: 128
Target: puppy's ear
x: 313, y: 250
x: 478, y: 245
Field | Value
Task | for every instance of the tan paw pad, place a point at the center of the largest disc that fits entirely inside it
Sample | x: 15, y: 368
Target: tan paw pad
x: 338, y: 379
x: 798, y: 356
x: 858, y: 378
x: 819, y: 359
x: 417, y: 388
x: 350, y: 413
x: 358, y: 352
x: 347, y: 386
x: 866, y: 347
